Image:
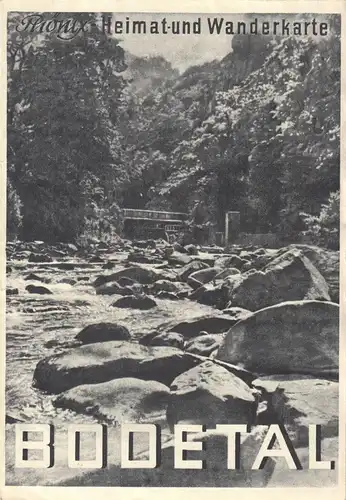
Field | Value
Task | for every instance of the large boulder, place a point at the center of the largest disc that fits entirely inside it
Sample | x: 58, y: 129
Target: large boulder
x: 143, y: 258
x: 142, y: 302
x: 137, y: 273
x: 191, y: 267
x: 164, y: 286
x: 108, y: 265
x: 191, y: 249
x: 209, y: 323
x: 145, y: 244
x: 146, y: 338
x: 35, y: 277
x: 178, y: 259
x: 237, y: 370
x: 116, y: 289
x: 259, y: 258
x: 40, y: 290
x: 290, y: 276
x: 225, y: 273
x: 211, y: 295
x: 168, y: 339
x: 209, y: 394
x: 204, y: 345
x: 35, y: 257
x: 168, y: 295
x: 125, y: 399
x: 124, y: 281
x: 230, y: 261
x: 327, y: 262
x: 102, y: 332
x: 103, y: 361
x: 198, y: 278
x: 301, y: 400
x: 237, y: 313
x: 67, y: 281
x: 291, y: 337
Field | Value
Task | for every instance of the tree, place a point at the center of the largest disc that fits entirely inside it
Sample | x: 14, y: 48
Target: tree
x: 62, y: 130
x: 14, y: 215
x: 324, y: 229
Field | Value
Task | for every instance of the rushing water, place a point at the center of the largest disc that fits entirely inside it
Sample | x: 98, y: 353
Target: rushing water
x: 38, y: 326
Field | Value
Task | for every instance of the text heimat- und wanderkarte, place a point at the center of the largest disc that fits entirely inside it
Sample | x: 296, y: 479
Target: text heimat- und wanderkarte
x: 214, y: 26
x: 68, y: 28
x: 276, y: 434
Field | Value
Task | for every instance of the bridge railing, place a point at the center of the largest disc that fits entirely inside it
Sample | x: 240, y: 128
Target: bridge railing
x: 132, y: 213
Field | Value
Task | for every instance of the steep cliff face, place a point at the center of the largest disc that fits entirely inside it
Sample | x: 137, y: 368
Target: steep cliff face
x: 266, y: 140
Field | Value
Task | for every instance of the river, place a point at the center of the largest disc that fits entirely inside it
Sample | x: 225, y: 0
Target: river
x: 38, y: 326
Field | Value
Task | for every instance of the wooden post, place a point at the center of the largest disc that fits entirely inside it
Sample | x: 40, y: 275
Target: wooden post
x: 226, y: 229
x: 234, y: 219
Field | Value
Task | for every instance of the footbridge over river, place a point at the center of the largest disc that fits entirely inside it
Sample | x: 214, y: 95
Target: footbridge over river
x: 152, y: 223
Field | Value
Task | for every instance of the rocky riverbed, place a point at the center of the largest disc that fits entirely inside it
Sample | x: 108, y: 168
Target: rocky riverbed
x: 149, y: 332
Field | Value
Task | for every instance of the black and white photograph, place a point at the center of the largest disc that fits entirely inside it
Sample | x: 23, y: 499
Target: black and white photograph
x: 172, y: 250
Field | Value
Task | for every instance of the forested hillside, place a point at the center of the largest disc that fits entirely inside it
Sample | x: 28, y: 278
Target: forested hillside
x: 92, y: 129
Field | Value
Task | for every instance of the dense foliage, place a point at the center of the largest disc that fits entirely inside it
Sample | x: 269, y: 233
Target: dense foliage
x: 64, y: 153
x: 268, y: 147
x: 14, y: 214
x: 91, y: 128
x: 324, y: 229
